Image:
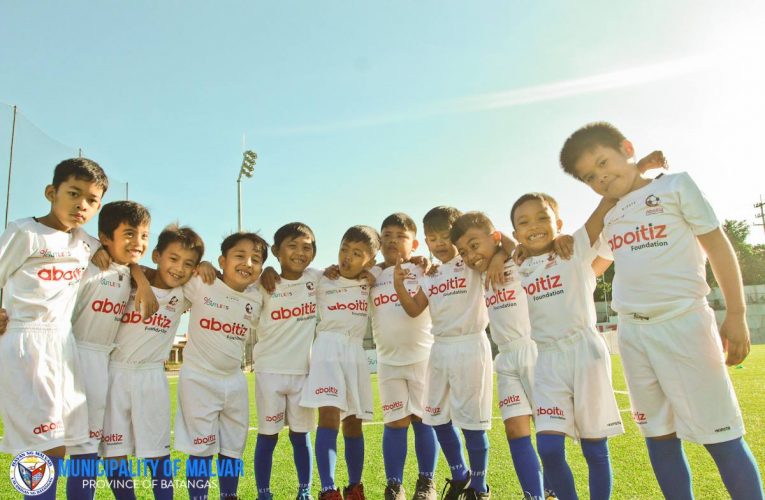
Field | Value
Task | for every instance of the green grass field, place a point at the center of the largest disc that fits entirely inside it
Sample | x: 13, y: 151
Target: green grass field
x: 633, y: 477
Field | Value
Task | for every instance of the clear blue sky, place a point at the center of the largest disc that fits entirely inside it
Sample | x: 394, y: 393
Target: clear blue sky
x: 360, y: 109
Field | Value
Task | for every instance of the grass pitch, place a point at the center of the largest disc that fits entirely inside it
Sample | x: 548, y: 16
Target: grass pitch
x: 633, y: 477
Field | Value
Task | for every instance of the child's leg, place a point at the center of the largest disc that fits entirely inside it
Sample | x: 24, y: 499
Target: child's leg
x: 394, y: 449
x: 552, y: 451
x: 599, y: 464
x: 525, y: 460
x: 326, y: 446
x: 264, y: 456
x: 477, y: 444
x: 738, y: 468
x: 670, y: 466
x: 120, y: 482
x: 83, y: 485
x: 450, y: 443
x: 394, y: 398
x: 426, y: 447
x: 162, y: 477
x: 301, y: 453
x: 354, y: 449
x: 229, y: 470
x: 198, y: 476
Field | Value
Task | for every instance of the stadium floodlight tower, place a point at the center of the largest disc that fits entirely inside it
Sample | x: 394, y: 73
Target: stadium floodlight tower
x: 246, y: 170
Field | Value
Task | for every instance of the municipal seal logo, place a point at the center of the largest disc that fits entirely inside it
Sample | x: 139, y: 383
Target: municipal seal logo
x: 32, y: 473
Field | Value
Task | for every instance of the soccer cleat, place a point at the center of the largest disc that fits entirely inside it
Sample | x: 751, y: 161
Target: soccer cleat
x: 304, y: 494
x: 471, y: 494
x: 425, y: 489
x: 354, y: 492
x: 394, y: 491
x: 453, y: 489
x: 331, y: 495
x: 550, y: 495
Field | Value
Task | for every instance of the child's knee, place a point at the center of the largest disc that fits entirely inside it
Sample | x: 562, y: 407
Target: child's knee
x: 476, y: 440
x: 551, y: 447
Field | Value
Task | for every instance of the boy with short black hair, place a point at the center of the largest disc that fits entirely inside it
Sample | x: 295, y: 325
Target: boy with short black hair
x: 459, y: 386
x: 661, y: 232
x: 137, y: 416
x: 338, y: 381
x: 41, y: 264
x: 123, y: 228
x: 572, y: 379
x: 213, y: 403
x: 403, y: 345
x: 281, y: 356
x: 477, y: 242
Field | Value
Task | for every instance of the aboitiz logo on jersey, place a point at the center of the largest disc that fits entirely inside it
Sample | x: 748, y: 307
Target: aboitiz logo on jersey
x: 214, y: 325
x: 56, y: 274
x: 358, y: 305
x: 502, y: 296
x: 547, y: 286
x: 452, y: 284
x: 642, y: 237
x: 158, y: 320
x: 31, y: 473
x: 106, y: 306
x: 300, y: 311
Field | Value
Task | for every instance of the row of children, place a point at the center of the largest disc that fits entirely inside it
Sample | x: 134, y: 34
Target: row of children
x: 434, y: 360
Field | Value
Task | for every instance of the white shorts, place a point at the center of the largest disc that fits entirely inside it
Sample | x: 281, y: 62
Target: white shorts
x: 94, y: 367
x: 515, y: 377
x: 339, y: 377
x: 677, y: 378
x: 42, y: 398
x: 278, y: 398
x: 213, y: 414
x: 572, y: 388
x: 402, y: 390
x: 137, y: 416
x: 459, y: 387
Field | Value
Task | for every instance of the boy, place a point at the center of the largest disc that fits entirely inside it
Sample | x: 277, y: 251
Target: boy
x: 137, y: 416
x: 572, y: 379
x: 477, y: 242
x: 123, y: 228
x: 403, y: 346
x: 213, y: 409
x: 338, y: 381
x: 42, y: 402
x: 659, y: 232
x: 459, y: 386
x: 281, y: 356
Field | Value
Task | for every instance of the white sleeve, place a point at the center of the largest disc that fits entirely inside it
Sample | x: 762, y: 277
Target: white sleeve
x: 16, y: 246
x: 583, y: 251
x: 695, y: 208
x: 601, y: 246
x: 191, y: 289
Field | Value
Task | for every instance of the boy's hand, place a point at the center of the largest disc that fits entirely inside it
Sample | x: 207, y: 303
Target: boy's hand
x: 734, y: 333
x: 432, y: 269
x: 207, y: 272
x: 422, y: 262
x: 654, y: 160
x: 3, y: 320
x: 145, y: 301
x: 563, y: 246
x: 399, y: 273
x: 332, y: 272
x: 369, y: 277
x: 101, y: 259
x: 269, y: 278
x: 520, y: 253
x: 495, y: 273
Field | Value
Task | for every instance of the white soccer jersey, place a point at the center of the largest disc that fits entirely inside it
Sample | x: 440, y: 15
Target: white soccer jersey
x: 220, y: 321
x: 455, y: 298
x: 343, y: 307
x: 400, y: 339
x: 149, y: 340
x: 559, y: 292
x: 41, y: 269
x: 660, y: 266
x: 286, y: 327
x: 508, y: 312
x: 101, y: 302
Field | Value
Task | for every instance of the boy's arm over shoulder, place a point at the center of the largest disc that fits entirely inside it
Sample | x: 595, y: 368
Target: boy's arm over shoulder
x: 17, y: 244
x: 734, y: 331
x: 594, y: 224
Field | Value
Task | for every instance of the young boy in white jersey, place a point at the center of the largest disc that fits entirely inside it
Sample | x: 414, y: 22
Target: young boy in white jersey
x: 477, y: 242
x: 213, y: 403
x: 123, y: 228
x: 137, y: 416
x: 403, y: 345
x: 42, y: 402
x: 659, y: 232
x: 572, y: 389
x: 281, y: 356
x: 459, y: 386
x: 338, y: 380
